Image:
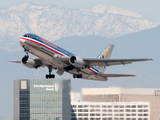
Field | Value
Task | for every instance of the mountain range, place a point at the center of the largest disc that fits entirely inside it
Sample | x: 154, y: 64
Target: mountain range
x: 55, y: 22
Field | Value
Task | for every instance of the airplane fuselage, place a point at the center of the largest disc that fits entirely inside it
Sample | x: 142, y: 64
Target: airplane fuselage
x: 50, y: 53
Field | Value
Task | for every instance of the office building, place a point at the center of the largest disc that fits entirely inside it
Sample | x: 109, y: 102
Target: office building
x: 42, y: 100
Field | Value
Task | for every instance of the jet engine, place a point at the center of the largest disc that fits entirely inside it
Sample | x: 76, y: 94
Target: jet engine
x: 77, y: 62
x: 28, y: 62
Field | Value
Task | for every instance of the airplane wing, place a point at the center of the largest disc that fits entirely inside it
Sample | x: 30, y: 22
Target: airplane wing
x: 38, y: 62
x: 111, y: 62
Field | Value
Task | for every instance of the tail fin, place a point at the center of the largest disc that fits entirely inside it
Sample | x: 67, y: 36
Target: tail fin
x: 106, y: 55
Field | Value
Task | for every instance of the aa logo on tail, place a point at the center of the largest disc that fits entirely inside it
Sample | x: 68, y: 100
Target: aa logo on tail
x: 104, y: 56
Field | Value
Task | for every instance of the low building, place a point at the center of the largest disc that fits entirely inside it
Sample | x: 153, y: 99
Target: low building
x: 110, y: 111
x: 125, y: 95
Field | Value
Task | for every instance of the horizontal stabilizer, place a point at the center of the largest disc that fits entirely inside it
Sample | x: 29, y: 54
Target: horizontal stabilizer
x: 117, y: 75
x: 16, y: 61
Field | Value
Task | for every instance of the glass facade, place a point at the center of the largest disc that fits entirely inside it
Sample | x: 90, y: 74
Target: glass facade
x: 42, y: 100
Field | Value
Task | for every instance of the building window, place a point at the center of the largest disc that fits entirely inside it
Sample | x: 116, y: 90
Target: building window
x: 104, y: 110
x: 133, y: 106
x: 128, y: 106
x: 85, y: 106
x: 80, y: 110
x: 73, y: 106
x: 109, y: 106
x: 92, y: 114
x: 97, y: 110
x: 140, y: 110
x: 115, y: 110
x: 110, y: 110
x: 116, y: 106
x: 73, y: 118
x: 145, y: 106
x: 92, y: 106
x: 73, y: 114
x: 98, y: 106
x: 145, y: 110
x: 85, y: 110
x: 80, y: 114
x: 80, y: 106
x: 139, y: 106
x: 145, y: 115
x: 104, y: 106
x: 133, y: 110
x: 121, y: 110
x: 92, y: 110
x: 121, y: 106
x: 145, y: 118
x: 127, y: 110
x: 97, y: 114
x: 104, y: 118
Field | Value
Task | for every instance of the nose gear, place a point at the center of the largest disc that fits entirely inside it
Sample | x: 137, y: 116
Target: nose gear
x: 50, y: 75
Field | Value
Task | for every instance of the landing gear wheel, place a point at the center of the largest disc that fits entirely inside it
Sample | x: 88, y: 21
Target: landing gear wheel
x: 77, y: 76
x: 53, y: 76
x: 50, y: 76
x: 47, y: 76
x: 74, y: 76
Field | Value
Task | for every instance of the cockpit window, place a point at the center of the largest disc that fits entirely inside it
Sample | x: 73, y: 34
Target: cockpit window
x: 32, y: 36
x: 28, y: 36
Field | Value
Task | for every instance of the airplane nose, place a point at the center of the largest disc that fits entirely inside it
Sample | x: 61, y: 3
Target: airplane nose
x: 21, y: 40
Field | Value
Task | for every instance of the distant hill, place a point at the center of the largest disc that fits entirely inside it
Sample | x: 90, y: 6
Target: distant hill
x: 54, y: 22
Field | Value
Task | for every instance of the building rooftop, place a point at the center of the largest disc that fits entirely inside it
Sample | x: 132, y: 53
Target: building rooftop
x: 118, y: 90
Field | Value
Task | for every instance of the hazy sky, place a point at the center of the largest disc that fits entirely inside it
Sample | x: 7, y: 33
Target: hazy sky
x: 148, y: 8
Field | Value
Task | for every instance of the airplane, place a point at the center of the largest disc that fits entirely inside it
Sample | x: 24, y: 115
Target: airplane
x: 54, y: 57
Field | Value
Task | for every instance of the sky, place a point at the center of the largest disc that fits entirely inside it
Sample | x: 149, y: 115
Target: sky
x: 148, y: 8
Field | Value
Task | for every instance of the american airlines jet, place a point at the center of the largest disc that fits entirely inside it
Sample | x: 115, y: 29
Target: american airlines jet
x: 54, y: 57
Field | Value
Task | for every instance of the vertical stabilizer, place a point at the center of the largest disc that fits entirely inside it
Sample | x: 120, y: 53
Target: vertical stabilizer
x: 106, y: 55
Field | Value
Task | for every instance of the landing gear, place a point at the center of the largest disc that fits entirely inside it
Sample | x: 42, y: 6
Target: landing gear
x: 77, y: 75
x: 50, y: 75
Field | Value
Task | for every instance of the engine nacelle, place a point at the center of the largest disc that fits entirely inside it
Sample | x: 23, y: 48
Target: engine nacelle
x: 28, y: 62
x: 77, y: 62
